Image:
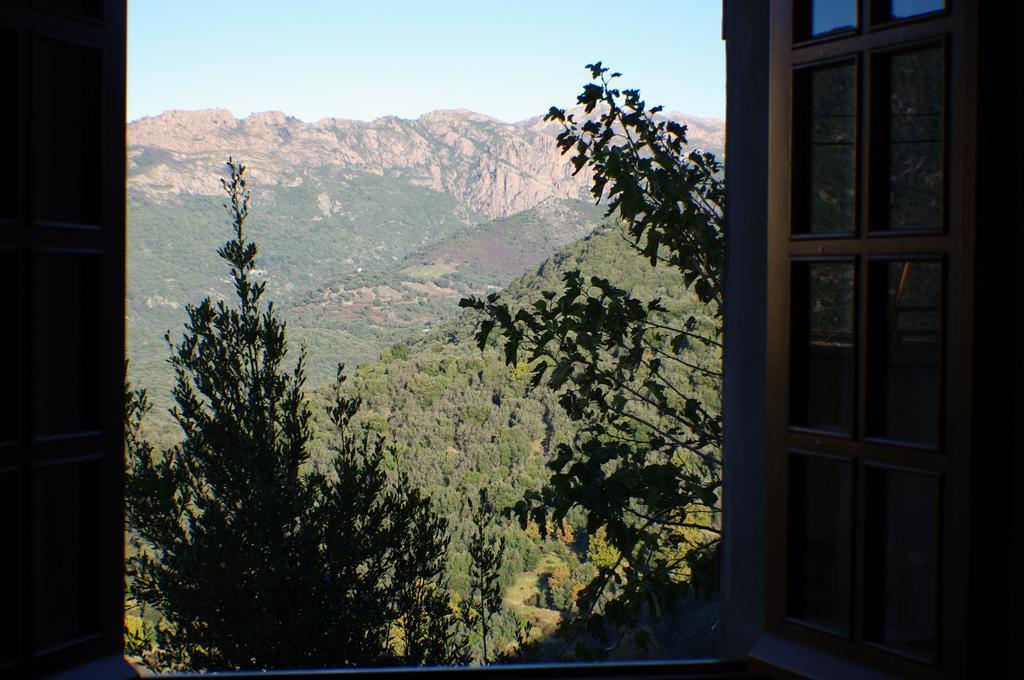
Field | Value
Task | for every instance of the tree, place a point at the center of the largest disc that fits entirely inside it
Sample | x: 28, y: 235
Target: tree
x: 252, y: 555
x: 645, y: 468
x: 486, y: 552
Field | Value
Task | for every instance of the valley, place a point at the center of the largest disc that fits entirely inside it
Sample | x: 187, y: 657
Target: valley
x: 369, y: 235
x: 370, y: 232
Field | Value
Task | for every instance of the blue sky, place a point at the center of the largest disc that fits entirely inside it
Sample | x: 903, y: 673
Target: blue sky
x: 361, y: 59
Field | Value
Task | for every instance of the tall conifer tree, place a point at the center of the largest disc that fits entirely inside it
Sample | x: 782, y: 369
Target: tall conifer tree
x: 251, y: 555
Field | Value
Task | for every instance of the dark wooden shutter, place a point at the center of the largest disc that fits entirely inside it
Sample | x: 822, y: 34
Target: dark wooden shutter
x: 62, y: 179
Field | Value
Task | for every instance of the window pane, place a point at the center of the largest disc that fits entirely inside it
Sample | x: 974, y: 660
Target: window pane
x: 9, y: 360
x: 819, y: 542
x: 822, y: 346
x: 830, y: 16
x: 905, y: 399
x: 901, y: 9
x: 902, y: 561
x: 65, y: 340
x: 9, y: 123
x: 823, y: 201
x: 915, y: 97
x: 9, y: 566
x: 65, y: 554
x: 66, y: 133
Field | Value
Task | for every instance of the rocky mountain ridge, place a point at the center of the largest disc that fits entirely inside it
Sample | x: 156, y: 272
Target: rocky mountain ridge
x: 494, y: 168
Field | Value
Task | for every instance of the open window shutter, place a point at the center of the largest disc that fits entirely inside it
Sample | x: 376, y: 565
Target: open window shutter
x: 875, y: 414
x: 62, y: 217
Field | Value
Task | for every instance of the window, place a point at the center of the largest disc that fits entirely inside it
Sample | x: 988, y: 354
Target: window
x: 867, y: 271
x: 870, y: 339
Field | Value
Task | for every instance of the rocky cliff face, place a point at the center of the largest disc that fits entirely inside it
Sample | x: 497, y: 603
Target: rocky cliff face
x: 493, y: 167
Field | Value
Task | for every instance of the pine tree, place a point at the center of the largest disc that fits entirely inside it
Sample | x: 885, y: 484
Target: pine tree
x: 251, y: 555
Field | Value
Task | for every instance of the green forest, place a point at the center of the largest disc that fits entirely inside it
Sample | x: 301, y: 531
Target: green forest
x: 534, y: 477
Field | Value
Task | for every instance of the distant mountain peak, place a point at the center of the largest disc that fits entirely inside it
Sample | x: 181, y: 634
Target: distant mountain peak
x: 195, y: 118
x: 707, y: 134
x: 268, y: 118
x: 462, y: 114
x: 492, y: 167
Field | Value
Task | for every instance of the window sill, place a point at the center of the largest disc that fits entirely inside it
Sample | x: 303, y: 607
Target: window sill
x: 776, y: 657
x: 113, y: 667
x: 717, y: 669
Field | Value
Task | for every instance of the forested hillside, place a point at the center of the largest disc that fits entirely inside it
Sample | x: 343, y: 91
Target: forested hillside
x: 353, y: 318
x: 463, y: 420
x: 171, y: 258
x: 370, y: 231
x: 339, y: 308
x: 367, y: 253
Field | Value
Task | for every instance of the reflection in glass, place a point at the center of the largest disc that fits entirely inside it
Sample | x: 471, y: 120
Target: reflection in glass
x: 822, y: 350
x: 818, y: 571
x: 903, y: 540
x: 823, y: 202
x: 832, y: 16
x: 915, y: 119
x: 910, y: 296
x: 65, y: 338
x: 9, y: 567
x: 65, y: 552
x: 901, y: 9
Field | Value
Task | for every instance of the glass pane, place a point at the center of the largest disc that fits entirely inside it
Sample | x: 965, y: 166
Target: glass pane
x: 822, y: 349
x: 901, y: 9
x: 902, y: 561
x: 905, y: 400
x: 9, y: 566
x: 9, y: 347
x: 818, y: 571
x: 915, y: 119
x: 65, y: 340
x: 825, y: 127
x: 832, y: 16
x: 65, y: 555
x: 9, y: 123
x: 66, y: 133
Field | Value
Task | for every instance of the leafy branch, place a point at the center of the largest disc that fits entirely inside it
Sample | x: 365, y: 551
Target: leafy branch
x: 645, y: 388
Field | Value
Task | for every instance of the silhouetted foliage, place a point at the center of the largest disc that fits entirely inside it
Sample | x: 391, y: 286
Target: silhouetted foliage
x: 644, y: 467
x: 251, y: 555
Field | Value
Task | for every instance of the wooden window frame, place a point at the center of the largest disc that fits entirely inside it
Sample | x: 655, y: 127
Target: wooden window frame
x: 26, y: 235
x: 955, y: 28
x: 99, y: 652
x: 785, y: 646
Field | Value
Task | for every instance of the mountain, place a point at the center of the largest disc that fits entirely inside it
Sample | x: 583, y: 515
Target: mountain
x: 410, y: 296
x: 369, y: 234
x: 369, y: 231
x: 492, y: 167
x: 172, y: 246
x: 463, y: 421
x: 421, y: 383
x: 706, y: 134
